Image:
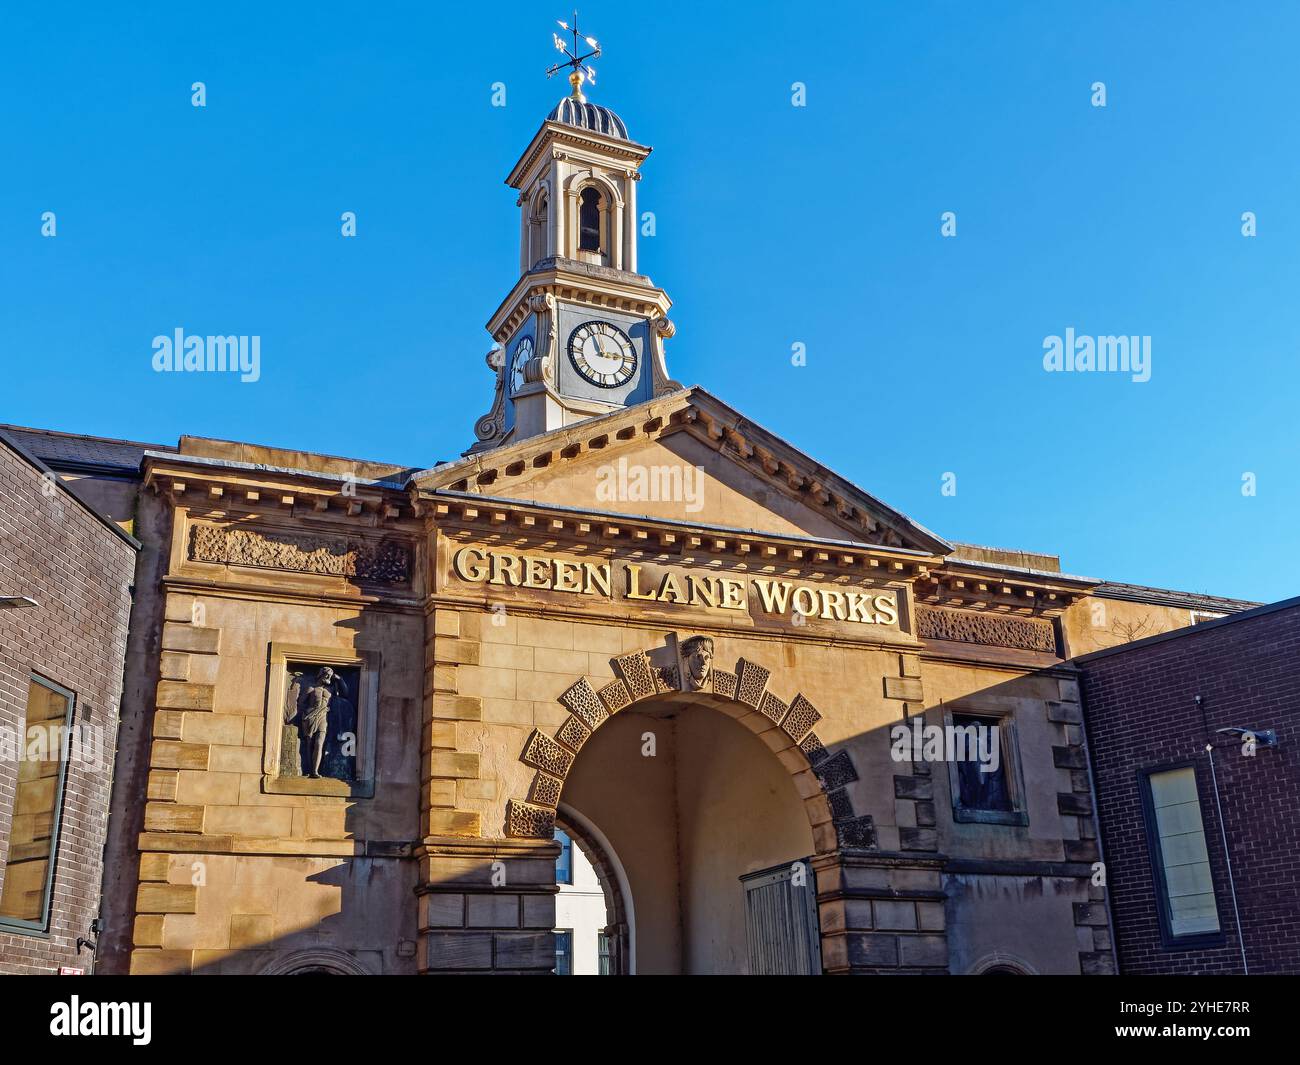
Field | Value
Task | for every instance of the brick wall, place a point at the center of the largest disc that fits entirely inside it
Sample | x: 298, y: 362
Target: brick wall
x: 1141, y: 713
x: 53, y: 549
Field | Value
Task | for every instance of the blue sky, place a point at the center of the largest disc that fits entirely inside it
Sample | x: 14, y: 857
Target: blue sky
x: 775, y: 224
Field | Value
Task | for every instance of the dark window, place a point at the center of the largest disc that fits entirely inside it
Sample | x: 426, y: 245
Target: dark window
x: 37, y: 805
x: 589, y: 220
x: 564, y: 863
x: 980, y: 790
x: 564, y: 952
x: 605, y: 966
x: 1180, y: 859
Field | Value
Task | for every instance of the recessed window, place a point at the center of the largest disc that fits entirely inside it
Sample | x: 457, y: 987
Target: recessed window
x: 589, y: 220
x: 564, y: 952
x: 37, y: 805
x: 1184, y: 881
x: 984, y: 769
x: 564, y: 863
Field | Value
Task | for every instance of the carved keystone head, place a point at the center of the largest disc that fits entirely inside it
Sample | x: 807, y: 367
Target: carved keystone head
x: 697, y: 662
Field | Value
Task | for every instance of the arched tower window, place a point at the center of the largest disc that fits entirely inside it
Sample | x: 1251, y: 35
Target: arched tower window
x: 539, y: 231
x: 589, y: 220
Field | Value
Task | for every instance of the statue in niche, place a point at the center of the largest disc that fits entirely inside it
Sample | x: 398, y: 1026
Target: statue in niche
x: 697, y: 662
x: 319, y: 737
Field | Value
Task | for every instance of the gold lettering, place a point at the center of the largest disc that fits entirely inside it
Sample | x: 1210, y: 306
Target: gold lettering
x: 670, y: 583
x: 858, y: 604
x: 775, y: 597
x: 703, y: 590
x: 537, y: 572
x: 469, y: 564
x: 595, y: 575
x: 733, y: 594
x: 810, y: 610
x: 566, y: 576
x: 888, y: 610
x: 505, y: 569
x: 833, y: 604
x: 634, y: 583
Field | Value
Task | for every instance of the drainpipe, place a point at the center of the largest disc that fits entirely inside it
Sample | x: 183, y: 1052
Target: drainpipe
x: 1223, y: 834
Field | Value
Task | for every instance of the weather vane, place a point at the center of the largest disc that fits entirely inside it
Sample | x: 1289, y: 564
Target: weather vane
x: 574, y: 56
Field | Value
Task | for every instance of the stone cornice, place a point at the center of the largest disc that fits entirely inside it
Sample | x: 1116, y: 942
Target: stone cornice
x: 763, y: 454
x: 212, y: 483
x: 573, y: 285
x: 552, y: 133
x: 465, y: 515
x: 1001, y: 589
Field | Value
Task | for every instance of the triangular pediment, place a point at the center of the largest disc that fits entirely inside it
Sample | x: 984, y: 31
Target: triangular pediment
x: 685, y: 457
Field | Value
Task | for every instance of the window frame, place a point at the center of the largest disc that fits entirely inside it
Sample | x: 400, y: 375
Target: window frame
x: 1155, y: 855
x: 1018, y: 815
x: 568, y: 932
x: 568, y: 836
x: 41, y: 928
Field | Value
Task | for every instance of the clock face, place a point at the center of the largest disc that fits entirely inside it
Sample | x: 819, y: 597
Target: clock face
x: 603, y: 354
x: 523, y: 352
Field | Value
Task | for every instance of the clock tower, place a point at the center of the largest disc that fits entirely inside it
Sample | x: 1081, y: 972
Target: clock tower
x: 581, y: 333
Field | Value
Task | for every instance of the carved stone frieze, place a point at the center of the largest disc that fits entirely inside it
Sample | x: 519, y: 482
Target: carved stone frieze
x: 385, y: 562
x: 995, y: 630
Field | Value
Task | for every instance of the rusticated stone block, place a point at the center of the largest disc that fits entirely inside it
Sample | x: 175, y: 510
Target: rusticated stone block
x: 813, y: 749
x: 1096, y: 964
x: 1074, y: 805
x: 545, y: 790
x: 615, y: 696
x: 525, y: 950
x: 836, y: 771
x: 841, y: 806
x: 1069, y: 758
x: 525, y: 821
x: 918, y: 839
x: 724, y: 683
x: 772, y: 707
x: 930, y: 952
x: 1091, y: 914
x: 909, y: 787
x: 753, y: 682
x: 1065, y: 713
x: 871, y: 950
x: 925, y: 815
x: 906, y: 688
x: 573, y: 733
x: 802, y: 716
x: 166, y: 898
x: 857, y: 832
x: 636, y: 673
x: 542, y: 752
x: 458, y: 950
x: 581, y: 700
x: 181, y: 695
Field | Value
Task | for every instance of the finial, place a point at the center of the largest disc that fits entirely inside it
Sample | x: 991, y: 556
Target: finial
x: 574, y: 59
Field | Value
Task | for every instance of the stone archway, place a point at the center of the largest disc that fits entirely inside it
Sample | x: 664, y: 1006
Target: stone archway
x: 787, y: 728
x: 318, y: 962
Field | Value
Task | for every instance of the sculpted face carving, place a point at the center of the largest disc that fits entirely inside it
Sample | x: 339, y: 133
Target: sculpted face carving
x: 697, y: 662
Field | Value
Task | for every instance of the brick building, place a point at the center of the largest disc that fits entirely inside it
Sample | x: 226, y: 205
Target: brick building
x: 65, y: 594
x: 1202, y: 857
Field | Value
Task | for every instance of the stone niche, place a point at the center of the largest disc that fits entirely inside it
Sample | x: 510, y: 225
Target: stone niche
x: 320, y: 722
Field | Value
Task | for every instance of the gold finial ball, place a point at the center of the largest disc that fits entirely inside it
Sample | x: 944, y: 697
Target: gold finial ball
x: 576, y: 79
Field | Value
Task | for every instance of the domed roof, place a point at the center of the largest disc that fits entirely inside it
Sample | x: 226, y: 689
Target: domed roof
x: 579, y: 112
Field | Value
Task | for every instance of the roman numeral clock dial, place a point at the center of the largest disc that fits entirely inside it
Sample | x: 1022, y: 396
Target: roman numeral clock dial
x: 602, y: 354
